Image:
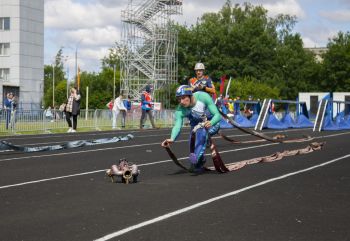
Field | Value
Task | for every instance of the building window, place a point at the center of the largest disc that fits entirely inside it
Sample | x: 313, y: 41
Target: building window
x: 4, y: 23
x: 5, y: 74
x: 4, y: 49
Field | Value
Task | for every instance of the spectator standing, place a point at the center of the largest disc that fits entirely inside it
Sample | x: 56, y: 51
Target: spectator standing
x: 146, y: 107
x: 248, y: 108
x: 73, y: 109
x: 127, y: 105
x: 110, y: 107
x: 49, y: 114
x: 13, y: 111
x: 118, y: 107
x: 236, y: 105
x: 230, y: 106
x: 8, y: 108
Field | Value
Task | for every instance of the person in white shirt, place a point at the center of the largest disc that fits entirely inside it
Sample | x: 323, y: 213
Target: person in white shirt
x: 118, y: 106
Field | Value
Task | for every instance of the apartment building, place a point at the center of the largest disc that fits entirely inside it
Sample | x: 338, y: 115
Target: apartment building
x: 22, y: 51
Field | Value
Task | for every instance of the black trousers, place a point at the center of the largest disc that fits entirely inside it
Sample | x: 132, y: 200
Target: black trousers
x: 69, y: 115
x: 123, y: 112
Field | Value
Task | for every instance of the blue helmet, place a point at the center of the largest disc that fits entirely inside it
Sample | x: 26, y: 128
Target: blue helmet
x: 184, y: 90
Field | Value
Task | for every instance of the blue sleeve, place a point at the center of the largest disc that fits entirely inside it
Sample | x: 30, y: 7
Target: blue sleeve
x: 209, y: 83
x: 7, y: 103
x: 128, y: 105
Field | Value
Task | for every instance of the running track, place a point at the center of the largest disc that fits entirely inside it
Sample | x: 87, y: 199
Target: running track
x: 64, y: 195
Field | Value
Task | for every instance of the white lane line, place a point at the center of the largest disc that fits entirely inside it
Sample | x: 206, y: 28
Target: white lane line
x: 49, y: 179
x: 60, y: 142
x: 145, y: 164
x: 111, y: 148
x: 78, y: 152
x: 167, y: 134
x: 19, y: 137
x: 102, y: 149
x: 211, y: 200
x: 103, y: 170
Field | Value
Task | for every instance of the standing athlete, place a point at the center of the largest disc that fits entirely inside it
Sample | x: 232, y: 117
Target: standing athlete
x: 201, y: 82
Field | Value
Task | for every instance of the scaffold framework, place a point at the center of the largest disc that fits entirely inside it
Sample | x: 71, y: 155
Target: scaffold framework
x: 149, y: 43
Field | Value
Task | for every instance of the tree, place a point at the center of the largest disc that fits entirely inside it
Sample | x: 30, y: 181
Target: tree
x: 249, y: 87
x: 298, y: 67
x: 336, y: 64
x: 56, y: 68
x: 243, y: 42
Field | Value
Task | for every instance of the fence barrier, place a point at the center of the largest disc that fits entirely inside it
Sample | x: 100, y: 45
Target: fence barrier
x: 25, y: 121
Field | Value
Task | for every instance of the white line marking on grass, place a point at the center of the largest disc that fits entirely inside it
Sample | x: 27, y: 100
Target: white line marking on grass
x: 200, y: 204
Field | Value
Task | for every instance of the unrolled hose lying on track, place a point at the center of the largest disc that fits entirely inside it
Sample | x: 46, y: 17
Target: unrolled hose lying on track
x: 262, y: 135
x: 220, y: 166
x: 7, y: 146
x: 314, y: 146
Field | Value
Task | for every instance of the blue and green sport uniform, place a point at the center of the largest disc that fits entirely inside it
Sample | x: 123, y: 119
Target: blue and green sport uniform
x: 204, y: 107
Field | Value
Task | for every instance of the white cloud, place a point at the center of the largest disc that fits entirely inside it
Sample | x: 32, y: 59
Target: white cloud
x: 291, y: 7
x: 66, y: 14
x: 92, y: 27
x: 92, y: 36
x: 95, y: 25
x: 192, y: 11
x: 338, y: 16
x: 309, y: 43
x: 317, y: 36
x: 196, y: 8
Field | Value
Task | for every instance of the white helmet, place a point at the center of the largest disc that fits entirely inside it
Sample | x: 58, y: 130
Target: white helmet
x: 199, y: 66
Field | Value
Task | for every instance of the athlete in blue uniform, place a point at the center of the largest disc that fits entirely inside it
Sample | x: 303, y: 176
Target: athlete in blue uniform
x: 204, y: 118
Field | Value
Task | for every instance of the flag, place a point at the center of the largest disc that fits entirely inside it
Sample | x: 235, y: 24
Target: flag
x: 78, y: 78
x: 228, y: 86
x: 222, y: 84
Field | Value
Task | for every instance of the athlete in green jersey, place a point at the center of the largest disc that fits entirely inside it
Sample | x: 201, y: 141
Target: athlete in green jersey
x: 204, y: 118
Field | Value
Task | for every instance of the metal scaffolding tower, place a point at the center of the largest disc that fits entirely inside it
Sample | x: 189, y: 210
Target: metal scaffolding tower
x: 149, y: 43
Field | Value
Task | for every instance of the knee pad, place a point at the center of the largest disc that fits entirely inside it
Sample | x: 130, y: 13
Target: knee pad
x: 193, y: 158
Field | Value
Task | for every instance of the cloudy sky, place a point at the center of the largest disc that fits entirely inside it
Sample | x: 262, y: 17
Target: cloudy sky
x: 93, y: 26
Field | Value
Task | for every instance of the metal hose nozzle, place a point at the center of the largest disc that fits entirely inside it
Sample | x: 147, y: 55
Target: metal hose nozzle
x: 127, y: 175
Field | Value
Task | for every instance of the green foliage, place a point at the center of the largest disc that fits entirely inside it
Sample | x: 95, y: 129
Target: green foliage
x: 167, y: 94
x: 100, y: 84
x: 100, y: 88
x: 299, y: 69
x: 336, y: 64
x: 56, y: 70
x: 243, y: 42
x: 249, y: 87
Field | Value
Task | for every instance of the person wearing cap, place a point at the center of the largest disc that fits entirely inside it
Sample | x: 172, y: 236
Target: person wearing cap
x: 201, y: 82
x: 146, y: 107
x: 199, y: 108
